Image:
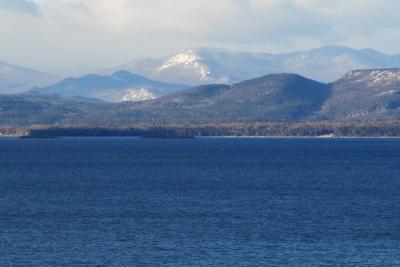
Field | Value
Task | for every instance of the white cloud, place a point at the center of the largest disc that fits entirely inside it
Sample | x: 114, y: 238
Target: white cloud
x: 106, y: 32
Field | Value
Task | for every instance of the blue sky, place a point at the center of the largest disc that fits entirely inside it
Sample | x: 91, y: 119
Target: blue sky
x: 66, y: 34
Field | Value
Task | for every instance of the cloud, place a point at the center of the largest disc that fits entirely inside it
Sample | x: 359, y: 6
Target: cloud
x: 106, y: 32
x: 20, y: 6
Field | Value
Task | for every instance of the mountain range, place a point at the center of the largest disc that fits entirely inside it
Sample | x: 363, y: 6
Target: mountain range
x: 209, y: 65
x: 359, y: 95
x: 149, y: 78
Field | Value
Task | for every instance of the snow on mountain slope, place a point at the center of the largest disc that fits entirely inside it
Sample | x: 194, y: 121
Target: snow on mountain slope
x: 372, y: 93
x: 200, y: 66
x: 132, y: 95
x: 189, y: 60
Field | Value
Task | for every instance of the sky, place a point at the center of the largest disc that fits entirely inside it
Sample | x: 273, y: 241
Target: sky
x: 66, y: 35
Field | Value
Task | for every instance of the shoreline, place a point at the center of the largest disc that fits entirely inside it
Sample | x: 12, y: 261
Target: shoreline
x: 203, y: 137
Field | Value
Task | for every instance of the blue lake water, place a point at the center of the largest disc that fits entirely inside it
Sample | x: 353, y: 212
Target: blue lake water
x: 201, y: 202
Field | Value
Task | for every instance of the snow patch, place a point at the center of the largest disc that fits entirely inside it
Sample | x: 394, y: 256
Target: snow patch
x: 385, y: 76
x: 389, y: 92
x: 374, y: 77
x: 133, y: 95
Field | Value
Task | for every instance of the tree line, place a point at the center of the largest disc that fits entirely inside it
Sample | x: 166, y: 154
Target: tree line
x: 389, y: 128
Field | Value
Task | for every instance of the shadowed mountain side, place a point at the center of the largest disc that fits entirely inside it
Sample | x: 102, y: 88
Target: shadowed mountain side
x: 272, y: 97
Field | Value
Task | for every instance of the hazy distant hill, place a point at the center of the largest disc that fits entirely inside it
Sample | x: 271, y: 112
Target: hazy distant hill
x: 117, y: 87
x: 209, y: 65
x: 14, y: 79
x: 359, y: 95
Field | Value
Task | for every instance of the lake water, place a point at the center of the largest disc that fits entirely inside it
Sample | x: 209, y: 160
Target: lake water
x: 201, y: 202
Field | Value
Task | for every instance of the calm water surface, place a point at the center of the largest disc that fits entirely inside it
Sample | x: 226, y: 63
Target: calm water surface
x: 203, y: 202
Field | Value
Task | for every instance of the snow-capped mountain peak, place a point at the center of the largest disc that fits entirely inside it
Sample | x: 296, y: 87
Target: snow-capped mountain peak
x: 188, y: 61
